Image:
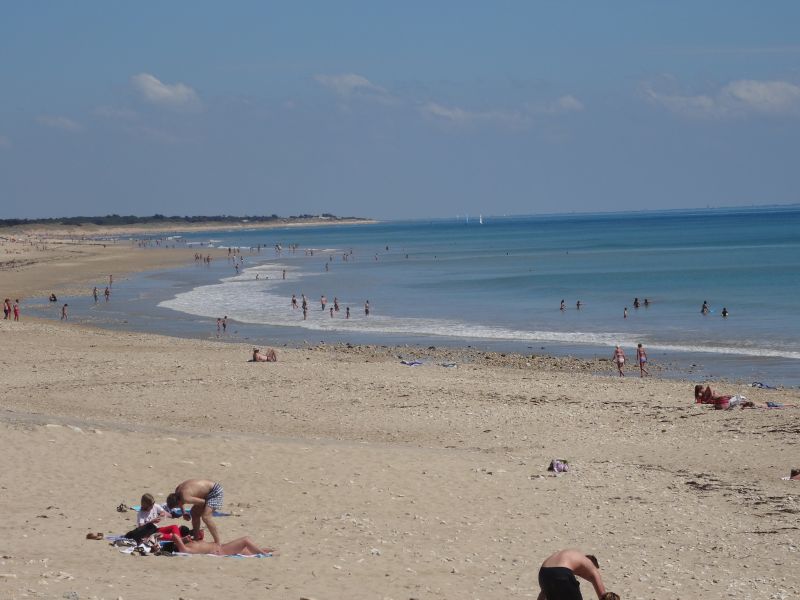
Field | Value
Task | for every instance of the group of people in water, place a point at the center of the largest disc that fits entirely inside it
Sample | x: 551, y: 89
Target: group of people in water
x: 323, y: 300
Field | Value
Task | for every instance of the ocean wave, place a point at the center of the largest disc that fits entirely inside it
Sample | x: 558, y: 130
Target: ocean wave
x: 247, y: 300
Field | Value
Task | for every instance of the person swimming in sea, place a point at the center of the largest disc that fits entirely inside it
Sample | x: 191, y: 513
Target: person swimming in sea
x: 724, y: 312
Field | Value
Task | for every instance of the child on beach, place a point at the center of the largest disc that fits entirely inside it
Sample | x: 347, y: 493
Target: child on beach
x: 150, y: 512
x: 16, y: 310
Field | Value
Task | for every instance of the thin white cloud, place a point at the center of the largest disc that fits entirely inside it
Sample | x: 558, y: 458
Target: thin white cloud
x: 5, y: 142
x: 62, y: 123
x: 178, y: 96
x: 513, y: 119
x: 559, y: 106
x: 735, y: 99
x: 111, y: 112
x: 349, y: 84
x: 461, y: 116
x: 770, y: 97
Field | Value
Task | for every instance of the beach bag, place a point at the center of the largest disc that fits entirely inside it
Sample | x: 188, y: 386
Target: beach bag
x: 558, y: 465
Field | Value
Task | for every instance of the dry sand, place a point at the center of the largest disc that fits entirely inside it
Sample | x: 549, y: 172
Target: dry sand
x: 377, y: 480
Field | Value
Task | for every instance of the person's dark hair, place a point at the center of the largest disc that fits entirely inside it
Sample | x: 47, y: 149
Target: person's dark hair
x: 698, y: 389
x: 173, y: 501
x: 185, y: 531
x: 794, y: 473
x: 593, y: 558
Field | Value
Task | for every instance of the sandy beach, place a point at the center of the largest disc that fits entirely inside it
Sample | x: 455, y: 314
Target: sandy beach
x: 371, y: 478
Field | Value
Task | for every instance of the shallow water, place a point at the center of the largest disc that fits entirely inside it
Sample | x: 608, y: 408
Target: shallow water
x: 499, y: 286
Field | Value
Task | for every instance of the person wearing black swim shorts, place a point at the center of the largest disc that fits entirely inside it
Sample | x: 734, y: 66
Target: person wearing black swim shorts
x: 557, y: 579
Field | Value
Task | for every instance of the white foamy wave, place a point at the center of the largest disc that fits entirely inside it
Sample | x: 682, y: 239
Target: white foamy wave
x: 248, y: 300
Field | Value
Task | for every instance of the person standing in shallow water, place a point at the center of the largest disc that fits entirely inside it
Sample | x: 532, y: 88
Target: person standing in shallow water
x: 366, y: 308
x: 619, y: 360
x: 641, y: 358
x: 64, y: 312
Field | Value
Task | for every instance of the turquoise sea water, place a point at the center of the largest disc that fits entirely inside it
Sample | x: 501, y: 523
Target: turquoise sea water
x: 499, y: 284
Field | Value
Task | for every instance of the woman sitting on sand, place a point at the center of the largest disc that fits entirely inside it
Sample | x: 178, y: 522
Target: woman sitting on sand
x: 706, y: 396
x: 244, y: 546
x: 268, y: 356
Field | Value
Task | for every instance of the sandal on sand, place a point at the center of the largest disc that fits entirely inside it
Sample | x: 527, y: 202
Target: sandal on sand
x: 122, y: 508
x: 94, y: 536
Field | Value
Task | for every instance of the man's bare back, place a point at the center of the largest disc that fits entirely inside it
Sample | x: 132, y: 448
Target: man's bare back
x: 194, y: 491
x: 552, y: 575
x: 205, y: 496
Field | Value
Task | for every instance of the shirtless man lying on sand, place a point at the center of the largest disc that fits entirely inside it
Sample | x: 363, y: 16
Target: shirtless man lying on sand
x: 557, y: 576
x: 243, y: 545
x: 205, y: 497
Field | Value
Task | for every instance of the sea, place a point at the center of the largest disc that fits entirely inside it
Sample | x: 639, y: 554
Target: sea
x: 497, y: 283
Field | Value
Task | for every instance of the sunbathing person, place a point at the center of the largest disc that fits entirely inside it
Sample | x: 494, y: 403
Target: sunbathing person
x: 706, y: 396
x: 244, y: 546
x: 268, y: 356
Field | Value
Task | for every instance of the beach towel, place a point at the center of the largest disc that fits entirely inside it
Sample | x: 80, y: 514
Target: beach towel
x: 186, y: 554
x: 762, y: 386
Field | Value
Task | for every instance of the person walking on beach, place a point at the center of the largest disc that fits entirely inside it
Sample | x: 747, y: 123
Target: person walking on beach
x: 619, y: 360
x: 16, y: 309
x: 6, y: 309
x: 557, y: 576
x: 64, y: 312
x: 641, y: 358
x: 205, y: 497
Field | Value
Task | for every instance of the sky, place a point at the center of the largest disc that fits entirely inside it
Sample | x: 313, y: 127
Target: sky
x: 396, y: 110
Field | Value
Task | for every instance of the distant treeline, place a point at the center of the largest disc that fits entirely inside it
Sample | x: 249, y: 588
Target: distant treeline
x: 134, y: 220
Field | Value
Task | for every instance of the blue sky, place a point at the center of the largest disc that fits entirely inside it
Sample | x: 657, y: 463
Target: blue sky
x: 396, y: 110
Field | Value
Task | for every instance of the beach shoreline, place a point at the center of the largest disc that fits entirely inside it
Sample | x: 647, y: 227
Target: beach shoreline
x: 372, y: 477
